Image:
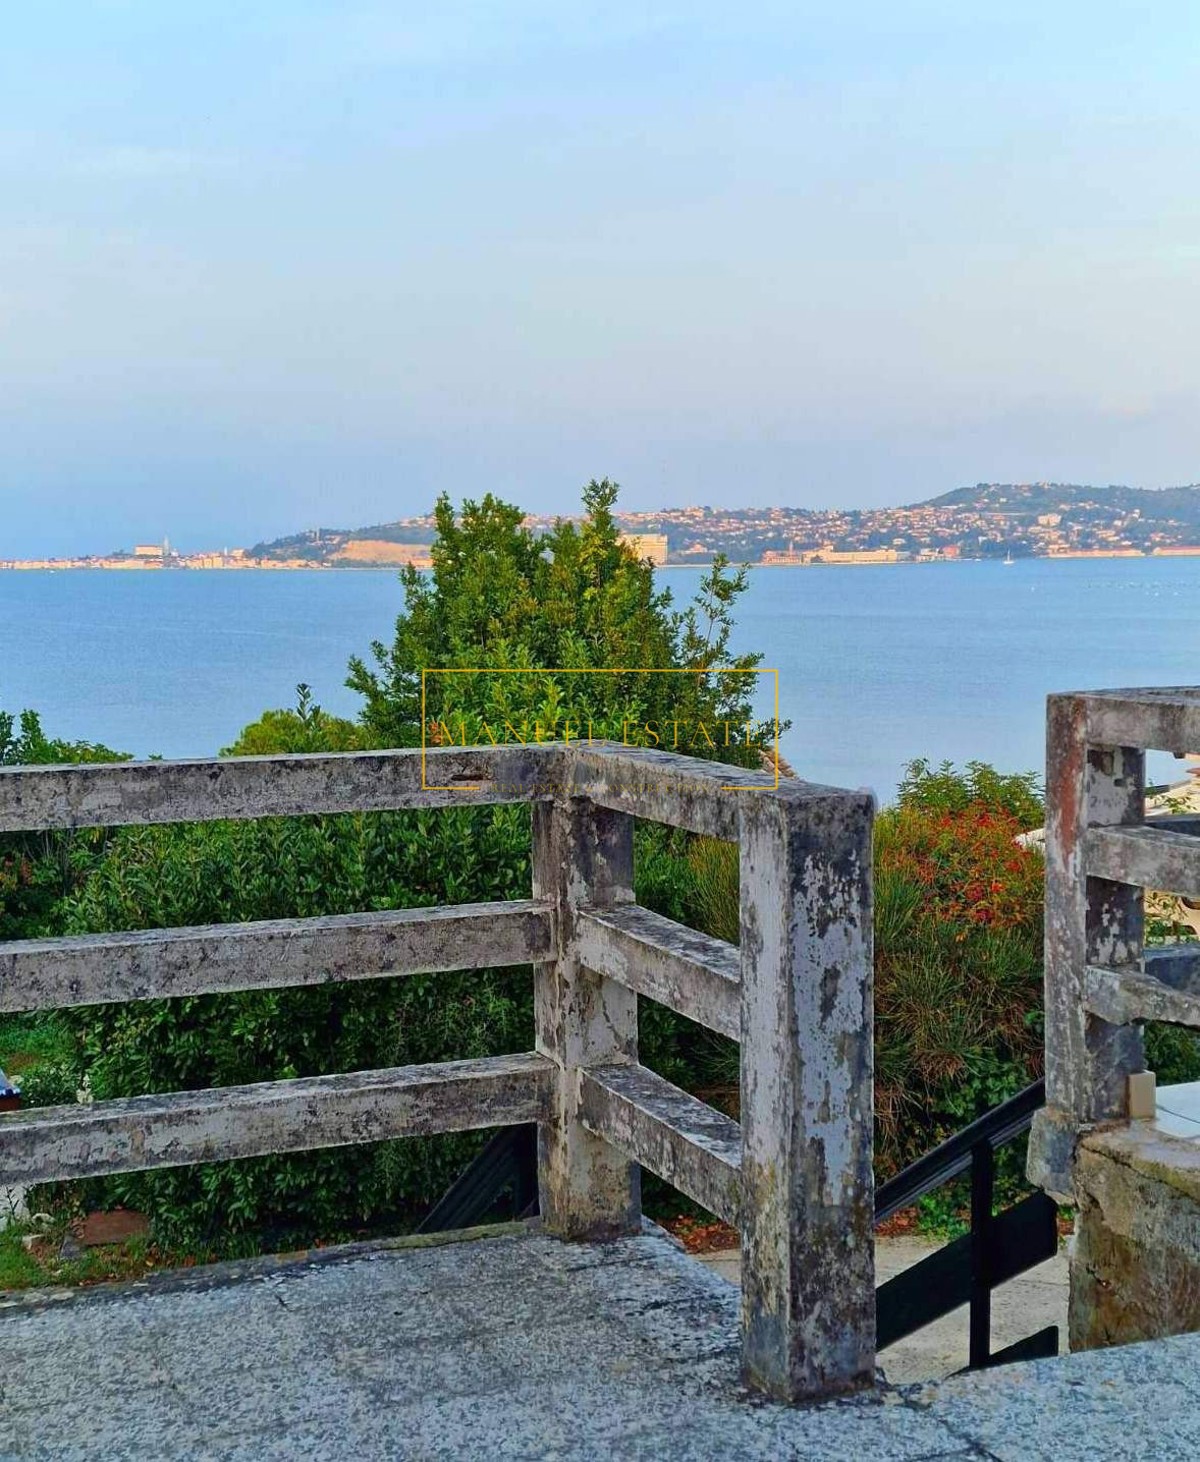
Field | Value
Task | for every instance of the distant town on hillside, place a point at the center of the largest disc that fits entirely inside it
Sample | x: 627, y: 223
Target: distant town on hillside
x: 989, y: 520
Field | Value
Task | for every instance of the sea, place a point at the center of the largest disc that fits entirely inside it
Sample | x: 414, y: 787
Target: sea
x: 877, y: 665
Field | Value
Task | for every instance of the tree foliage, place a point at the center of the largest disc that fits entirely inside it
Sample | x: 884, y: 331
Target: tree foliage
x: 302, y: 728
x: 37, y: 870
x: 501, y: 607
x: 944, y: 789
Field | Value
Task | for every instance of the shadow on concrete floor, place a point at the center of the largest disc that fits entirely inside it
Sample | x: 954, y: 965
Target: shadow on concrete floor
x: 1021, y: 1307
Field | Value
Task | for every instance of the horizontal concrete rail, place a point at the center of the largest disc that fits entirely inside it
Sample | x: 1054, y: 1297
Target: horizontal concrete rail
x: 664, y: 787
x: 53, y: 1144
x: 694, y: 974
x: 701, y: 796
x: 688, y: 1144
x: 1149, y: 857
x: 110, y: 794
x: 93, y: 969
x: 1122, y: 996
x: 1164, y: 720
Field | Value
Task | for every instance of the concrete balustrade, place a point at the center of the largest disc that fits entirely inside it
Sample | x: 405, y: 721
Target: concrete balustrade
x: 796, y: 1174
x: 1135, y: 1265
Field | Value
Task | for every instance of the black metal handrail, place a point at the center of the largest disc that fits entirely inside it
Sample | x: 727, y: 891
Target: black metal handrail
x: 997, y: 1248
x: 953, y: 1157
x: 506, y: 1165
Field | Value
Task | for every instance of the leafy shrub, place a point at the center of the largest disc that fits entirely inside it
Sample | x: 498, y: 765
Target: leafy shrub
x: 1172, y: 1053
x: 296, y: 867
x: 958, y: 959
x: 50, y: 1084
x: 714, y: 898
x: 945, y: 789
x: 38, y: 869
x: 958, y: 965
x: 306, y: 728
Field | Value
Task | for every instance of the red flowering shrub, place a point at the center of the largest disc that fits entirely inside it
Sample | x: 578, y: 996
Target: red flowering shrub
x: 958, y: 969
x: 970, y: 867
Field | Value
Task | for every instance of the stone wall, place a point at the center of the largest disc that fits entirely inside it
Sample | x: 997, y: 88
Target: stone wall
x: 1135, y: 1262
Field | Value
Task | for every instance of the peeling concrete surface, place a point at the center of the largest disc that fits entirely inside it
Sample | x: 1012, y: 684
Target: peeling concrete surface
x: 1089, y: 921
x: 582, y: 858
x: 131, y: 1134
x: 90, y: 969
x: 111, y: 793
x: 517, y: 1346
x: 694, y: 1147
x: 693, y: 973
x: 806, y: 1095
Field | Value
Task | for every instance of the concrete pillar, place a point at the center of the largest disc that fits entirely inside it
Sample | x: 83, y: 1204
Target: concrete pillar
x: 582, y: 857
x: 808, y: 1269
x: 1088, y: 921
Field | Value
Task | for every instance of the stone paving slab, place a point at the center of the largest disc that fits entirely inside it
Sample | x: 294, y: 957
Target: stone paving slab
x: 514, y: 1346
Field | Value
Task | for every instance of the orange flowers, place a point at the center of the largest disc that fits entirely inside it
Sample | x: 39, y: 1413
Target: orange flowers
x: 968, y: 864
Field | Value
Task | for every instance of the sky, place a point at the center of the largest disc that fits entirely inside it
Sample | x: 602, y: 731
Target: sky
x: 268, y: 266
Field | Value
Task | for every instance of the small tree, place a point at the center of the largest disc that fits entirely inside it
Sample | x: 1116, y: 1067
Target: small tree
x: 576, y: 601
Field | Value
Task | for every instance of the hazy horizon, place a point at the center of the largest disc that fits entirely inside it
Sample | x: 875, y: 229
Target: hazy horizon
x: 313, y: 264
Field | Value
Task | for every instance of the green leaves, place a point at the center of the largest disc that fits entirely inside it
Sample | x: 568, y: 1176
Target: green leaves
x: 29, y: 745
x: 945, y: 789
x: 582, y: 614
x: 38, y: 869
x: 306, y: 729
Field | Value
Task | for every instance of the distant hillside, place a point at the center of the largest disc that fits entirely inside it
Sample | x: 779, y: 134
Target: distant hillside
x: 989, y: 520
x: 1162, y: 505
x: 992, y: 520
x: 363, y: 546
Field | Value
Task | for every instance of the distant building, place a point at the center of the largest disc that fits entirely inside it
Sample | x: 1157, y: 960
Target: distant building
x: 147, y: 550
x: 647, y: 545
x: 830, y: 555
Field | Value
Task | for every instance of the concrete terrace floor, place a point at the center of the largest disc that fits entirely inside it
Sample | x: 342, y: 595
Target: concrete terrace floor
x: 515, y: 1346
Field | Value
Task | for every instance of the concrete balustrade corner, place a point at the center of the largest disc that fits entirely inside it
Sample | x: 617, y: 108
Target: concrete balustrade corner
x: 796, y: 1173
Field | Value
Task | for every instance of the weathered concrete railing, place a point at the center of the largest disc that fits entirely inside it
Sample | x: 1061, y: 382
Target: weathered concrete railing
x: 1129, y: 1266
x: 796, y: 1174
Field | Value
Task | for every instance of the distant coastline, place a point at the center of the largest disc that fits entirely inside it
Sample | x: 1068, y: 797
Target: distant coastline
x: 991, y: 521
x: 73, y: 566
x: 188, y: 564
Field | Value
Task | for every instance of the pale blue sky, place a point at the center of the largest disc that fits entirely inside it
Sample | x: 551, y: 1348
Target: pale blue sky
x: 267, y: 265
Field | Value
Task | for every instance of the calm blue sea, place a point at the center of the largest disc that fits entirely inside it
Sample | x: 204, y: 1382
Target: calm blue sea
x: 877, y: 665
